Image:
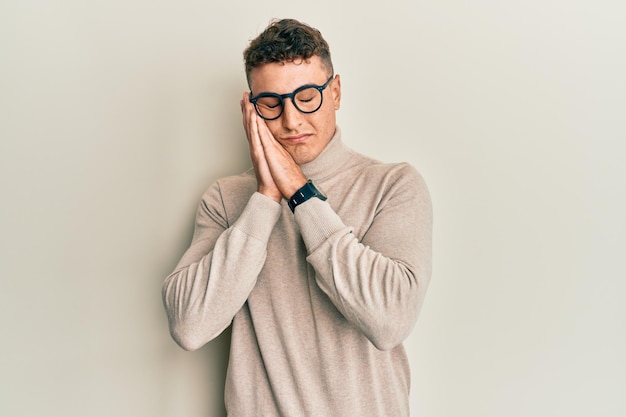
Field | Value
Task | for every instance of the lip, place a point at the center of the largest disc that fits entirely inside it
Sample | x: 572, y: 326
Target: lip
x: 296, y: 138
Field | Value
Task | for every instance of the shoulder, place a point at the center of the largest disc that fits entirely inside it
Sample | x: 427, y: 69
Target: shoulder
x: 395, y: 171
x: 388, y: 173
x: 232, y: 186
x: 375, y: 168
x: 236, y: 186
x: 229, y: 195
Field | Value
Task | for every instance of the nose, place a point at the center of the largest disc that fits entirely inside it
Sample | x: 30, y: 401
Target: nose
x: 291, y: 117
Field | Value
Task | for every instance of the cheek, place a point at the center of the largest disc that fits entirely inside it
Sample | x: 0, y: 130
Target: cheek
x: 325, y: 119
x: 274, y: 126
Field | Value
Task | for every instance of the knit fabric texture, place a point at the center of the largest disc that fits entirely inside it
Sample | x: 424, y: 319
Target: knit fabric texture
x: 319, y: 300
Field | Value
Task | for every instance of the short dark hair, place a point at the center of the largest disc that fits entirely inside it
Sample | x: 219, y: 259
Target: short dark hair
x: 286, y: 40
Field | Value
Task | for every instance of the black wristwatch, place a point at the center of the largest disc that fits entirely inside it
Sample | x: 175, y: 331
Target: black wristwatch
x: 308, y: 191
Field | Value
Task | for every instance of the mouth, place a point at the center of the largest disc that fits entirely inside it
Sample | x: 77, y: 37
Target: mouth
x: 299, y: 138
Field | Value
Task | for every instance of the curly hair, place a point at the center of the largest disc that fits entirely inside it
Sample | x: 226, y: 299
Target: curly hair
x: 286, y: 40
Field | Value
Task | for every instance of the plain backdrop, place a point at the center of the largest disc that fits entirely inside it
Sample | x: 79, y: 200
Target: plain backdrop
x: 117, y: 115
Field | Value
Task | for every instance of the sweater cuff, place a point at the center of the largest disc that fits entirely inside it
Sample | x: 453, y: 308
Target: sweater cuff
x: 259, y: 217
x: 317, y: 222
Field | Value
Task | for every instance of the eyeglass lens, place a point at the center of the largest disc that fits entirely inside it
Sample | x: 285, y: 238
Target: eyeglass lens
x: 307, y: 100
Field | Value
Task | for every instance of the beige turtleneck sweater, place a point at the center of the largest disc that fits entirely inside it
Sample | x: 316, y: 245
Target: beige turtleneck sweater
x: 320, y: 300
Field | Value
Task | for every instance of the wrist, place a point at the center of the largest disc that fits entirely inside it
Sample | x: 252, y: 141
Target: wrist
x: 293, y: 187
x: 303, y: 194
x: 271, y: 194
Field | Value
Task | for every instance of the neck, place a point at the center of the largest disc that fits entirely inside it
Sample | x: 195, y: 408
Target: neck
x: 329, y: 161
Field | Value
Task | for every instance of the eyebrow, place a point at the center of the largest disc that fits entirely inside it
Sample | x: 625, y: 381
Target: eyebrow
x: 297, y: 88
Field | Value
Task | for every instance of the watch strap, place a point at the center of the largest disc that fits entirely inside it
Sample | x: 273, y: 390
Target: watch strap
x: 305, y: 193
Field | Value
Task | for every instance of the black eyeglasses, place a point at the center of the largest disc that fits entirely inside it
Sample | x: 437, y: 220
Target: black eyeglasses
x: 307, y: 99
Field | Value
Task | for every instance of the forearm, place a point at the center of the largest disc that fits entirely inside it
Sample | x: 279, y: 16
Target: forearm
x: 214, y: 279
x: 380, y: 294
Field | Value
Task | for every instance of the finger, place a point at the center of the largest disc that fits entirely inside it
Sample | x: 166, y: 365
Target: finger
x: 269, y: 143
x: 249, y: 118
x: 244, y: 115
x: 265, y: 135
x: 255, y: 140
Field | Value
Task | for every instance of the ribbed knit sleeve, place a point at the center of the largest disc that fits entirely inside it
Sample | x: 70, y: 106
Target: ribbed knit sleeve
x: 377, y: 281
x: 217, y: 273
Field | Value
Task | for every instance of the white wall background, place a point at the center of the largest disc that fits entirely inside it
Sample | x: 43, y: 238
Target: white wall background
x: 116, y: 115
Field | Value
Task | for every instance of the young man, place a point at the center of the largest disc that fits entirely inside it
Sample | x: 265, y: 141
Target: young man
x: 318, y: 257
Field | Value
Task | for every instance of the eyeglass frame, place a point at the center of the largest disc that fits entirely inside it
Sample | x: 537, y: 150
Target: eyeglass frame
x: 292, y: 95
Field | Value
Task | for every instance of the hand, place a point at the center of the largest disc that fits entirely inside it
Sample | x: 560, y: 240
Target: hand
x: 277, y: 173
x: 265, y: 182
x: 286, y: 173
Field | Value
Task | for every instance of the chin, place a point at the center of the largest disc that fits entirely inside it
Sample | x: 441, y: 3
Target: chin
x: 303, y: 157
x: 301, y: 160
x: 300, y: 154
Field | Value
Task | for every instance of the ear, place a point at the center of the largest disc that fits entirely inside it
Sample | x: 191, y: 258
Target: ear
x: 335, y: 89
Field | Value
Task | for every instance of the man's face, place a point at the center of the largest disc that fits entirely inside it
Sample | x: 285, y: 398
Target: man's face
x: 304, y: 136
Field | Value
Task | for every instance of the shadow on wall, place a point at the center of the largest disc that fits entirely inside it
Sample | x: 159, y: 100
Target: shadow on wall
x: 217, y: 352
x: 222, y: 148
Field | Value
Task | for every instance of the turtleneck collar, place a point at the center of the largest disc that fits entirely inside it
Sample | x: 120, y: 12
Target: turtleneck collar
x: 330, y: 160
